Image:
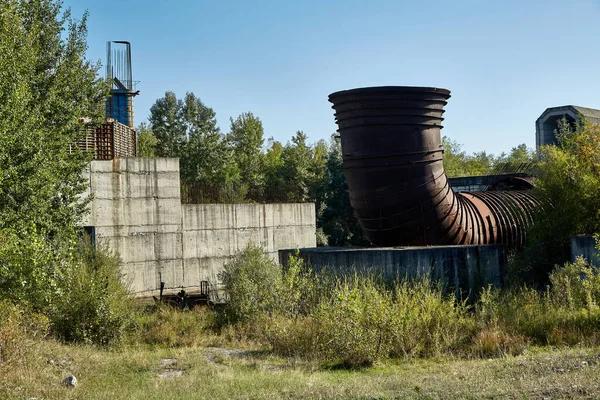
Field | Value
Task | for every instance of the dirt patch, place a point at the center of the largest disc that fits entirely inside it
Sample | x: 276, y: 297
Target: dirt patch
x: 170, y: 373
x: 216, y: 355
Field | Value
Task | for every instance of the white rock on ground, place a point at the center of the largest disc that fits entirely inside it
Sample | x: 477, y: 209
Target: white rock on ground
x: 70, y: 381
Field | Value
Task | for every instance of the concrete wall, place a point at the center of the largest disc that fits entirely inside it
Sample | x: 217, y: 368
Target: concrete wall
x: 137, y: 209
x: 585, y: 246
x: 464, y: 269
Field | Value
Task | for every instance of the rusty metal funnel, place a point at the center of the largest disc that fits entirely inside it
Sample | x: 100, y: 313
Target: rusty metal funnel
x: 392, y: 154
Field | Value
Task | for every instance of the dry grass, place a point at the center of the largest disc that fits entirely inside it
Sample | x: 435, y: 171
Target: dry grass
x: 224, y: 374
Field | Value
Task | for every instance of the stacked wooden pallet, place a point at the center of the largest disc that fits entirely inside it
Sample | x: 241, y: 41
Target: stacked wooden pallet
x: 109, y: 140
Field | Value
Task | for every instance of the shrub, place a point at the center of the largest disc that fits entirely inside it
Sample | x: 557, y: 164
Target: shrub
x: 31, y: 271
x: 567, y: 179
x: 18, y: 328
x: 299, y: 290
x: 426, y: 321
x: 295, y: 337
x: 96, y: 305
x: 354, y: 322
x: 566, y: 312
x: 250, y: 281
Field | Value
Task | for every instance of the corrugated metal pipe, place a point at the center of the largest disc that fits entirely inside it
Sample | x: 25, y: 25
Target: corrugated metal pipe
x: 392, y: 154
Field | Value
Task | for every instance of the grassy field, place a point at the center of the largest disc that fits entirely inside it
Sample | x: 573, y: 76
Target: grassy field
x: 295, y: 335
x: 219, y: 373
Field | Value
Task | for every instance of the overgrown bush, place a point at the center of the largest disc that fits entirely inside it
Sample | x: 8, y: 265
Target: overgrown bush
x: 357, y: 320
x: 167, y: 326
x: 566, y: 312
x: 250, y: 281
x: 426, y: 320
x: 31, y: 271
x: 354, y: 322
x: 568, y: 180
x: 96, y: 304
x: 19, y: 327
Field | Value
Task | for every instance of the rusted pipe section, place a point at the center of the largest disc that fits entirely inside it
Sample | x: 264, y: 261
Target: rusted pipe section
x: 392, y: 154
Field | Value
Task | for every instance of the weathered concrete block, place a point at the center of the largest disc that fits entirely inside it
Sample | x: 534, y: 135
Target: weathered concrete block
x: 585, y: 246
x: 463, y: 269
x: 137, y: 209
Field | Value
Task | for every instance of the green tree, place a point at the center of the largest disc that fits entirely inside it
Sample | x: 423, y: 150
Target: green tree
x: 297, y: 157
x: 336, y: 217
x: 480, y: 163
x: 568, y: 179
x: 521, y: 154
x: 273, y: 167
x: 46, y: 85
x: 167, y: 125
x: 146, y: 141
x: 186, y: 128
x: 455, y: 158
x: 246, y: 136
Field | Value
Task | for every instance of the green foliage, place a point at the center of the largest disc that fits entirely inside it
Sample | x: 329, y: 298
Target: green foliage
x: 518, y: 155
x: 567, y: 312
x: 354, y: 322
x: 29, y: 271
x: 335, y: 215
x: 18, y: 327
x: 296, y: 168
x: 458, y: 163
x: 568, y: 179
x: 96, y: 305
x: 167, y: 125
x: 250, y: 280
x: 46, y: 85
x: 246, y: 136
x: 146, y: 142
x: 187, y: 129
x: 426, y: 321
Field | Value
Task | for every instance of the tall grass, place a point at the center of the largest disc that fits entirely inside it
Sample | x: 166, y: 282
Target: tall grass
x: 19, y: 327
x: 358, y: 320
x: 567, y: 312
x: 352, y: 320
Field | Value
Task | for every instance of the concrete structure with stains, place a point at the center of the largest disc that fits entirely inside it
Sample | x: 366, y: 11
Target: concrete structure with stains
x: 137, y: 210
x: 465, y: 270
x: 547, y: 123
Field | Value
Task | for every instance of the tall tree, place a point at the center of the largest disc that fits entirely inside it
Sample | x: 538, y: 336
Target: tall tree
x: 273, y: 171
x: 46, y: 85
x: 336, y: 217
x: 186, y: 128
x: 206, y: 157
x: 167, y: 124
x: 455, y: 158
x: 297, y: 157
x: 568, y: 178
x: 146, y: 141
x: 520, y: 154
x: 246, y: 136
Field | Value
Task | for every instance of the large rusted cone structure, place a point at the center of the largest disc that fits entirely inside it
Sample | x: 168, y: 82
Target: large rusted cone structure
x: 392, y: 153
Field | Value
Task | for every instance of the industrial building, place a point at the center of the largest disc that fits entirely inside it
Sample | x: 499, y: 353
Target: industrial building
x: 547, y: 123
x: 116, y: 137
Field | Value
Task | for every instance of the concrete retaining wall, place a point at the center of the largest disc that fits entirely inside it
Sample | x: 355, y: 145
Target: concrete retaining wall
x: 465, y: 269
x: 585, y: 246
x: 137, y: 210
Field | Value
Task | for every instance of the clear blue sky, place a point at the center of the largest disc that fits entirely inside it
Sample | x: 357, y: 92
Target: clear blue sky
x: 504, y: 61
